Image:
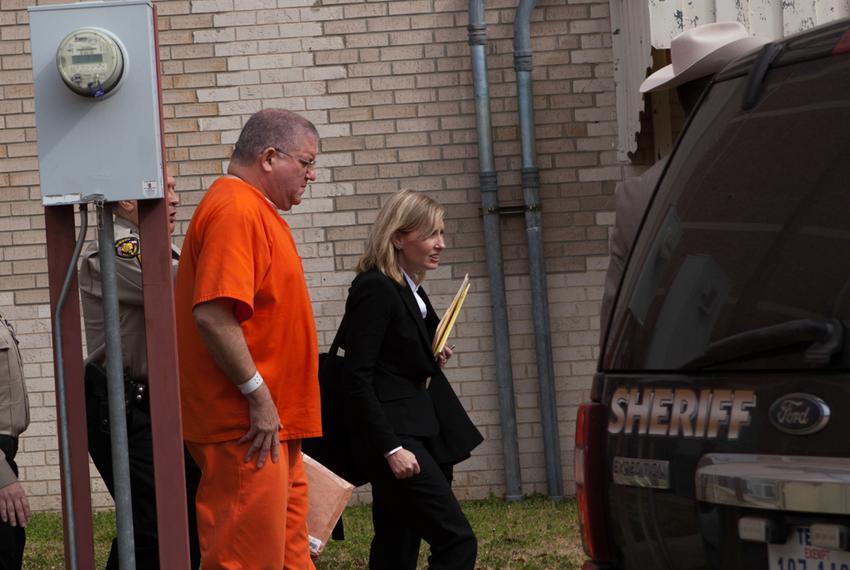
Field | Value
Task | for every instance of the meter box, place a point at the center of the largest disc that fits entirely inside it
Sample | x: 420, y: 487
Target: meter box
x: 97, y: 112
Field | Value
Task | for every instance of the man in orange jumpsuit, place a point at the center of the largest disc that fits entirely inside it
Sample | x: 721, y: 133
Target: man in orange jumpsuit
x: 248, y: 351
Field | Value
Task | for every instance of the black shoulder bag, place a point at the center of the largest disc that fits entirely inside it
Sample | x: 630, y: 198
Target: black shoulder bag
x: 336, y: 449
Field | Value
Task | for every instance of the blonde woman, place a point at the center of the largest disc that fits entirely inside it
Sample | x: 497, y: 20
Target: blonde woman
x: 408, y: 421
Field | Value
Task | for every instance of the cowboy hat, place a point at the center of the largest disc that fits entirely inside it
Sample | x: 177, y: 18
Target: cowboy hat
x: 701, y: 51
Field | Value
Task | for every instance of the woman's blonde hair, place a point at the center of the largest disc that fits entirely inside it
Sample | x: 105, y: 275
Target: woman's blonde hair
x: 406, y: 211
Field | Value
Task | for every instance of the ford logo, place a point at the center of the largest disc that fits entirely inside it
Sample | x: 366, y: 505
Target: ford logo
x: 799, y: 414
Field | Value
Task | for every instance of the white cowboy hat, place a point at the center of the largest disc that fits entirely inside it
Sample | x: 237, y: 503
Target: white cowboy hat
x: 702, y: 51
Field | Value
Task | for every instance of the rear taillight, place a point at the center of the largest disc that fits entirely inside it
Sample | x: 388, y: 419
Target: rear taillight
x: 843, y: 44
x: 590, y: 480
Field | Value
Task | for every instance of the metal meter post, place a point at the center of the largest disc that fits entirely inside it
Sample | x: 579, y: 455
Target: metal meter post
x: 59, y: 225
x: 98, y: 118
x: 115, y: 390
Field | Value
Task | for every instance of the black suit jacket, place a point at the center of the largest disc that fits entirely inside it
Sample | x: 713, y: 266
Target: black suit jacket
x: 387, y: 361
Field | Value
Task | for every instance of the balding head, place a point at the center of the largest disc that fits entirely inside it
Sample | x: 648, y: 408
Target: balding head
x: 275, y: 128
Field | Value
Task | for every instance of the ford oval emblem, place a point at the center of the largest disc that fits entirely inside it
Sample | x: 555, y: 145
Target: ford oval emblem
x: 799, y: 414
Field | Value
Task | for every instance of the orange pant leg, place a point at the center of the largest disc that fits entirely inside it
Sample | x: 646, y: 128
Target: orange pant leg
x: 297, y: 545
x: 244, y: 512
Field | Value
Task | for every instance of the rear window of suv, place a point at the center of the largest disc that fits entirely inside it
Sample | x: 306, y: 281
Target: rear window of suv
x: 744, y: 258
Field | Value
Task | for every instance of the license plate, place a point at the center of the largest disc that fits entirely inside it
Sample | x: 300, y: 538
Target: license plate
x: 798, y: 554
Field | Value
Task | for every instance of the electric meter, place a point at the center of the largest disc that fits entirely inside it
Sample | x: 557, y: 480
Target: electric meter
x: 90, y: 62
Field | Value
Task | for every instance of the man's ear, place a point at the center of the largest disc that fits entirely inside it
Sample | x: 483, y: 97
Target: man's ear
x: 129, y: 206
x: 266, y: 159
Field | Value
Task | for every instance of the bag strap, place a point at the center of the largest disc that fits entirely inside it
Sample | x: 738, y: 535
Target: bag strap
x: 337, y: 338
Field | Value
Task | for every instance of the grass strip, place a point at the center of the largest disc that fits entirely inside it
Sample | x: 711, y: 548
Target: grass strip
x: 533, y: 534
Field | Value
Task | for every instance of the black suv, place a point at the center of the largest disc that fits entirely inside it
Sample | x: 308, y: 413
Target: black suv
x: 717, y: 435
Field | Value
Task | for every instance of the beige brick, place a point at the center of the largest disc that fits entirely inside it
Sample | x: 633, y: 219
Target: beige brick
x: 235, y: 48
x: 409, y: 125
x: 212, y: 6
x: 239, y: 107
x: 345, y: 27
x: 371, y: 98
x: 17, y: 62
x: 8, y: 33
x: 327, y: 13
x: 407, y: 139
x: 369, y: 69
x: 16, y: 76
x: 325, y: 73
x: 388, y: 24
x: 367, y: 41
x: 421, y: 66
x: 18, y: 164
x: 228, y: 19
x: 300, y: 30
x: 373, y: 127
x: 351, y: 114
x: 355, y: 173
x: 214, y: 35
x: 375, y: 156
x: 327, y: 102
x: 365, y: 10
x: 213, y: 95
x: 401, y: 53
x: 349, y: 85
x: 394, y: 111
x: 589, y: 26
x: 410, y: 7
x: 272, y: 78
x: 192, y: 52
x: 194, y: 80
x: 18, y: 92
x: 258, y: 5
x: 337, y: 57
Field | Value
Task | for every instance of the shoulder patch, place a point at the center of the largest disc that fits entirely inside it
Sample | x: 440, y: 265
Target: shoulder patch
x: 128, y: 247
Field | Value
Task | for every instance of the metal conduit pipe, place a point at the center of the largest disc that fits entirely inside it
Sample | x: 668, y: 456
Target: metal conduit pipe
x: 493, y: 246
x: 115, y: 392
x: 536, y: 266
x: 61, y: 392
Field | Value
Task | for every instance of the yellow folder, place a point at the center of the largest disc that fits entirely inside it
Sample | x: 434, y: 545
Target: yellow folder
x: 444, y: 329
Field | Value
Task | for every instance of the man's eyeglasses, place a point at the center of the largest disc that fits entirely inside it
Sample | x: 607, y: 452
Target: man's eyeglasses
x: 305, y: 164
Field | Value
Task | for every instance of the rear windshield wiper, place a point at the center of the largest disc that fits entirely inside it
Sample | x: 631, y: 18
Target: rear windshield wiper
x: 824, y: 336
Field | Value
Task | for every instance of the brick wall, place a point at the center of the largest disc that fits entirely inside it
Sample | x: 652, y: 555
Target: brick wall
x: 389, y: 86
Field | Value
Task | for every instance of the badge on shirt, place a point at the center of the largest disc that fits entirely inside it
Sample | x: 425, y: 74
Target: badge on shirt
x: 128, y: 247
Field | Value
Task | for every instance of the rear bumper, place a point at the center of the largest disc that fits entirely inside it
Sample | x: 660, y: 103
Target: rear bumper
x: 776, y: 482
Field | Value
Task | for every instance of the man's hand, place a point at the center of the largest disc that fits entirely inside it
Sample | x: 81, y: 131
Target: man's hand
x: 403, y: 464
x: 14, y: 506
x: 265, y: 425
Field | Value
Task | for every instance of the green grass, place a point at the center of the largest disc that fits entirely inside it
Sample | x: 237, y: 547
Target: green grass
x: 534, y: 534
x: 45, y: 544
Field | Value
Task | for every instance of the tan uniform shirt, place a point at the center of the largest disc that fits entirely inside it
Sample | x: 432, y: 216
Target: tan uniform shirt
x: 631, y: 198
x: 14, y: 405
x: 131, y: 311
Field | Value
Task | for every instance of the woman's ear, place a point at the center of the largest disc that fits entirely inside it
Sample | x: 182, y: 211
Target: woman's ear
x: 396, y: 241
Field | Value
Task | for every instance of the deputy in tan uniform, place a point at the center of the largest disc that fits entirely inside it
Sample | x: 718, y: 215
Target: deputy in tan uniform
x: 697, y: 54
x: 14, y: 419
x: 131, y: 313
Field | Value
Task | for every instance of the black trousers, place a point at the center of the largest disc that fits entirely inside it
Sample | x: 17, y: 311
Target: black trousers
x: 142, y: 490
x: 12, y: 538
x: 406, y: 511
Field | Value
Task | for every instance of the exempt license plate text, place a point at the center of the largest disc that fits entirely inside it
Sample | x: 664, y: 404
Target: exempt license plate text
x: 799, y: 554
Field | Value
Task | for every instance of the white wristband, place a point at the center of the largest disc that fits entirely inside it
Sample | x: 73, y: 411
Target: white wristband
x: 252, y: 384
